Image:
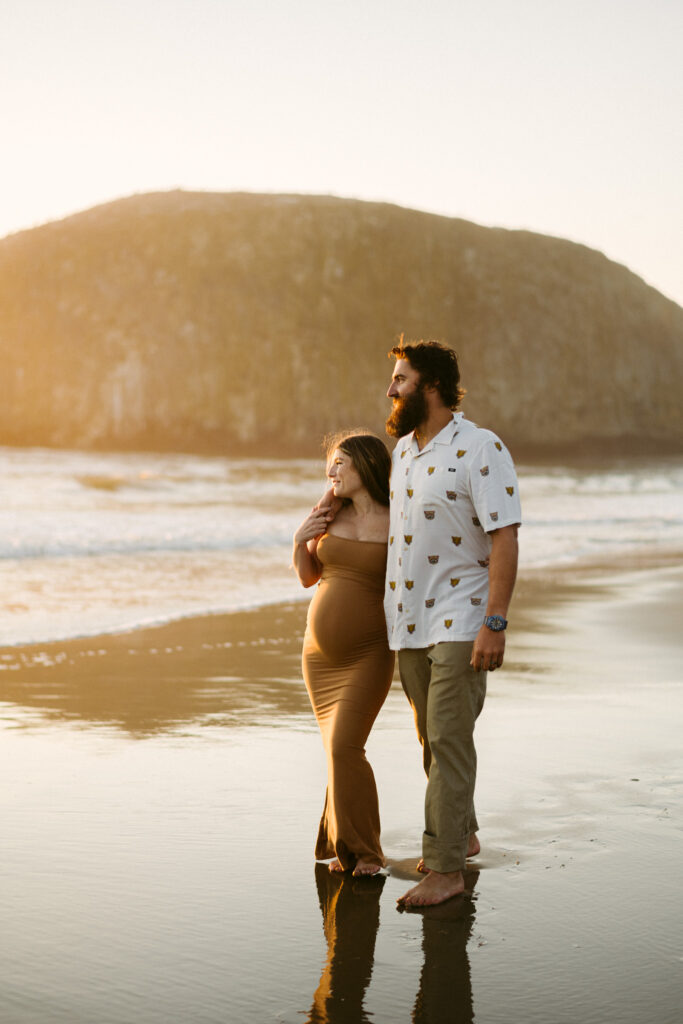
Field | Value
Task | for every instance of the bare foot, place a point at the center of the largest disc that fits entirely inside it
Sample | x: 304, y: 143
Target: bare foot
x: 335, y: 866
x: 435, y: 888
x: 366, y: 867
x: 473, y: 848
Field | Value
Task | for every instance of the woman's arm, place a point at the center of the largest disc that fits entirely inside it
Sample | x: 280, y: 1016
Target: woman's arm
x: 304, y: 558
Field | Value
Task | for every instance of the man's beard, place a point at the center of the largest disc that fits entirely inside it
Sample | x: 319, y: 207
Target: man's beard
x: 408, y: 413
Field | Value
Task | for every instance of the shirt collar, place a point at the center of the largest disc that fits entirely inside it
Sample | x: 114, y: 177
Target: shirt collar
x: 445, y: 436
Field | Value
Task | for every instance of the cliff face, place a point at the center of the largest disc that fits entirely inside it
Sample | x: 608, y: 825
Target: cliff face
x: 242, y: 323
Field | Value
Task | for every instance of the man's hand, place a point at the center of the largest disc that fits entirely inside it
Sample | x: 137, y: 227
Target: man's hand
x: 488, y: 650
x: 329, y: 503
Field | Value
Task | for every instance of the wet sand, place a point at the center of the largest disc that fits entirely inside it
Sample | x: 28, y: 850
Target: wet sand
x: 161, y: 792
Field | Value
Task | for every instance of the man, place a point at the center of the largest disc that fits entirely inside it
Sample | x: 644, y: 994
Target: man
x: 450, y: 575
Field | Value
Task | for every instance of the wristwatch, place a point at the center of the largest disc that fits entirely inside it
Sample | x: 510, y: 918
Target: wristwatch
x: 495, y: 622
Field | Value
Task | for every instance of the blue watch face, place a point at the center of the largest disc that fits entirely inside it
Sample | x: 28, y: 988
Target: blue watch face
x: 495, y: 622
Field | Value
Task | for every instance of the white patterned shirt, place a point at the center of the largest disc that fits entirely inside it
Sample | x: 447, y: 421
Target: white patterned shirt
x: 445, y: 501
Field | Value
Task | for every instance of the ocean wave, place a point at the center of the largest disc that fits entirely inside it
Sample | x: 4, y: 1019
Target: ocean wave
x: 95, y: 544
x: 84, y: 548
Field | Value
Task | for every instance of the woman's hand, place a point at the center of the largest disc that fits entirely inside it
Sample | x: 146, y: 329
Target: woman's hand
x: 314, y: 525
x: 304, y: 558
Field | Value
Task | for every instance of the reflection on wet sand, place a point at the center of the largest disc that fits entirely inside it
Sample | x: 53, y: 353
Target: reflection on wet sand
x: 445, y: 992
x: 351, y: 911
x: 129, y: 867
x: 222, y: 670
x: 239, y: 669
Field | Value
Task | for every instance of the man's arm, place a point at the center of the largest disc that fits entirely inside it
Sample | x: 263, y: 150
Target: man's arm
x: 330, y: 503
x: 489, y: 647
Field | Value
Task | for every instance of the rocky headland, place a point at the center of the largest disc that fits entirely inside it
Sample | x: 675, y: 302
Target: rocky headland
x: 244, y: 323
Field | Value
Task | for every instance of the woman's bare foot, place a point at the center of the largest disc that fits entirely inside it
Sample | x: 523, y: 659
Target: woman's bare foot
x: 366, y: 867
x: 335, y: 866
x: 473, y: 848
x: 435, y: 888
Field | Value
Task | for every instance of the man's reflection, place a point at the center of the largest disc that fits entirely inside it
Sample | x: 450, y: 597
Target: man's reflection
x: 445, y: 993
x: 350, y: 909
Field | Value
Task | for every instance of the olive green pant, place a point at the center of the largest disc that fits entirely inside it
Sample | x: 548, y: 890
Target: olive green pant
x: 447, y: 696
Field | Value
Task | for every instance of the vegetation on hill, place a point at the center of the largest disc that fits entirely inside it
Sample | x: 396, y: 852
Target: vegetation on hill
x: 251, y: 323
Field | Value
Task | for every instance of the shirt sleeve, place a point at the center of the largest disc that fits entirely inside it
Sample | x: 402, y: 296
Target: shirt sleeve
x: 493, y: 486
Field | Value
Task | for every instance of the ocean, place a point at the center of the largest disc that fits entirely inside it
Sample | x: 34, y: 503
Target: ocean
x: 96, y: 543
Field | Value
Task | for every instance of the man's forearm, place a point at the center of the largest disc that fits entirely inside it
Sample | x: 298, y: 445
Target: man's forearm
x: 502, y: 570
x: 489, y: 647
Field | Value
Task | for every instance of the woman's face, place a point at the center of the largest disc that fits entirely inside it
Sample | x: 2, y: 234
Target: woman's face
x: 343, y: 475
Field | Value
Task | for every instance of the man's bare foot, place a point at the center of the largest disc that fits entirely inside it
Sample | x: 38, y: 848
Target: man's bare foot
x: 435, y: 888
x: 366, y: 867
x: 335, y: 866
x: 473, y: 848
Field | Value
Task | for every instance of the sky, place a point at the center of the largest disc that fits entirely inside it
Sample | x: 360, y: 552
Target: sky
x: 549, y: 115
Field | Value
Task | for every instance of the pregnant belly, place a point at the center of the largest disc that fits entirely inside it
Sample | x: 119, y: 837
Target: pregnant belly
x: 345, y: 620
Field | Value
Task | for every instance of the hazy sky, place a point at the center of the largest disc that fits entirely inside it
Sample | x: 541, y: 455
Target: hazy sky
x: 561, y: 116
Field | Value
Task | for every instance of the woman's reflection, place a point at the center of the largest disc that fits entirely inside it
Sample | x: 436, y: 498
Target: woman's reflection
x: 350, y: 909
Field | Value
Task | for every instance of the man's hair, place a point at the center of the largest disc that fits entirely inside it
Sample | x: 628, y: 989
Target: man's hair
x: 370, y: 458
x: 437, y: 365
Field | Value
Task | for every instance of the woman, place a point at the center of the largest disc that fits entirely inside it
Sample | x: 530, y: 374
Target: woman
x: 347, y: 663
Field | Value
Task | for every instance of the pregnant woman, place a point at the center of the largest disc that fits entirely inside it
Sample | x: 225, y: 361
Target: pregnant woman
x: 347, y: 663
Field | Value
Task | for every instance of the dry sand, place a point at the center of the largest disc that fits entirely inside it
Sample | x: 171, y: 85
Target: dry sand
x: 161, y: 795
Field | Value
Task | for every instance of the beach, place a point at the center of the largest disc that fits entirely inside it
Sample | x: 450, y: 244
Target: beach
x: 162, y: 789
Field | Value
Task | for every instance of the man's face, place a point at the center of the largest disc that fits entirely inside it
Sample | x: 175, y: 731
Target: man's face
x: 407, y: 394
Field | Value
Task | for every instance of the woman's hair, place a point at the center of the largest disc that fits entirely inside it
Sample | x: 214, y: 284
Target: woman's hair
x: 370, y: 458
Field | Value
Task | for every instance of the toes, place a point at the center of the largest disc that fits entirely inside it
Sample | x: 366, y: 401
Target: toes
x: 406, y: 899
x: 365, y: 867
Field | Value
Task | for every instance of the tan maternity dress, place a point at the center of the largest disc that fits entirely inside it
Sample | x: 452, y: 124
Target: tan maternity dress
x: 348, y: 669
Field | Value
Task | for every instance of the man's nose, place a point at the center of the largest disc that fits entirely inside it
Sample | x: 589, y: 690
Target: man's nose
x: 392, y: 390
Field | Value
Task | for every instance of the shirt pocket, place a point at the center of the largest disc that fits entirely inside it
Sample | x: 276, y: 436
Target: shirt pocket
x: 439, y: 488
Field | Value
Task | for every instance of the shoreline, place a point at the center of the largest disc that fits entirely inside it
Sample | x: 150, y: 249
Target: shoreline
x: 246, y: 664
x: 562, y: 576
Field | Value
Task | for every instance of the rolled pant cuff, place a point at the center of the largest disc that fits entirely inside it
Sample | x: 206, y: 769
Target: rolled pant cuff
x: 444, y: 857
